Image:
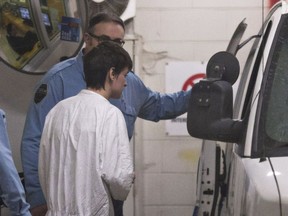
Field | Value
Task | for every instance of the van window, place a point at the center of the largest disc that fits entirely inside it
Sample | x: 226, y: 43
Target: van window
x: 250, y: 73
x: 273, y: 121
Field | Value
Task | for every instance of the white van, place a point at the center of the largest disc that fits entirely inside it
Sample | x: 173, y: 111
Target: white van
x: 249, y: 176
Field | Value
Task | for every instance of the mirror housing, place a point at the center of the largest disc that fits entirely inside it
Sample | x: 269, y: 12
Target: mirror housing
x: 210, y: 109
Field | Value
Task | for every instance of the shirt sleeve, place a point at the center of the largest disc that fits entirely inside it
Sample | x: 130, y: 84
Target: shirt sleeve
x: 42, y: 103
x: 157, y: 106
x: 11, y: 188
x: 140, y: 101
x: 117, y: 160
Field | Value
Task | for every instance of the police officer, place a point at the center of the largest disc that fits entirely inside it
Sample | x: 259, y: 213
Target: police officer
x: 11, y: 188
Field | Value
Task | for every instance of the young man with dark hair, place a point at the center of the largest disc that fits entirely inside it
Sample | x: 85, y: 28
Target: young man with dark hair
x: 84, y: 156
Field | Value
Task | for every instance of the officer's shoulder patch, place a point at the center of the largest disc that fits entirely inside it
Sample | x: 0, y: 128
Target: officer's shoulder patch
x: 40, y: 93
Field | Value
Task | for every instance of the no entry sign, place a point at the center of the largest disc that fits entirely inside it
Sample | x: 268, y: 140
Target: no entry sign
x: 189, y: 83
x: 181, y: 76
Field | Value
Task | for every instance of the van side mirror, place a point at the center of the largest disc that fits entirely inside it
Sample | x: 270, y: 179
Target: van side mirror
x: 210, y: 109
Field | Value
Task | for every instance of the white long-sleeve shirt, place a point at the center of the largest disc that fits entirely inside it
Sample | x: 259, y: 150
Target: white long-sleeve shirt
x: 84, y: 156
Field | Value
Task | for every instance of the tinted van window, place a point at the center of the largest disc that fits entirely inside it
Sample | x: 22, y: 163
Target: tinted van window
x: 273, y: 121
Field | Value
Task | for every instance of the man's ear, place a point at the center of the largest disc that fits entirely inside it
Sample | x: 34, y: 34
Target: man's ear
x: 112, y: 73
x: 86, y: 37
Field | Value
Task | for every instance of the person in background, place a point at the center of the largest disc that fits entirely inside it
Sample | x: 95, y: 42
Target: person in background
x: 84, y: 155
x: 66, y: 79
x: 11, y: 189
x: 20, y: 43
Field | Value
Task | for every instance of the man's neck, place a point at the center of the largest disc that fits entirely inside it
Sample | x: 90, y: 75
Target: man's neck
x: 101, y: 91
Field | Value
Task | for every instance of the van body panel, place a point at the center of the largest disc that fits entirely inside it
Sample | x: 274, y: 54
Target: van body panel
x: 255, y: 167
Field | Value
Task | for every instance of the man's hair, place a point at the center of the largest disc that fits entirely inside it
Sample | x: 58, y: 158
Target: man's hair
x: 104, y: 17
x: 101, y: 59
x: 9, y: 29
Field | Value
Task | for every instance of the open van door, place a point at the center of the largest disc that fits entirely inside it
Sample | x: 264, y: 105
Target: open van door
x: 212, y: 169
x: 255, y: 130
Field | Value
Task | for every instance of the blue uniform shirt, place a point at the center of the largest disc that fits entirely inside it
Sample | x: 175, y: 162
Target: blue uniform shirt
x: 11, y: 188
x: 66, y: 79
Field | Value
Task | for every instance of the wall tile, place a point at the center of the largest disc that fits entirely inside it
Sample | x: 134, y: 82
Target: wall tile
x: 169, y: 189
x: 164, y: 3
x: 181, y: 157
x: 169, y: 210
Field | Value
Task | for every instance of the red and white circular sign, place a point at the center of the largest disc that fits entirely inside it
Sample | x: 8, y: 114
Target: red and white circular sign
x: 190, y: 82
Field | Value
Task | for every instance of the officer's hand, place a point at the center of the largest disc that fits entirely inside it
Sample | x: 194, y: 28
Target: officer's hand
x: 39, y: 210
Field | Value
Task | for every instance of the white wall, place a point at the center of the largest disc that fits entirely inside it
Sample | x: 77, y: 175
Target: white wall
x: 184, y: 30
